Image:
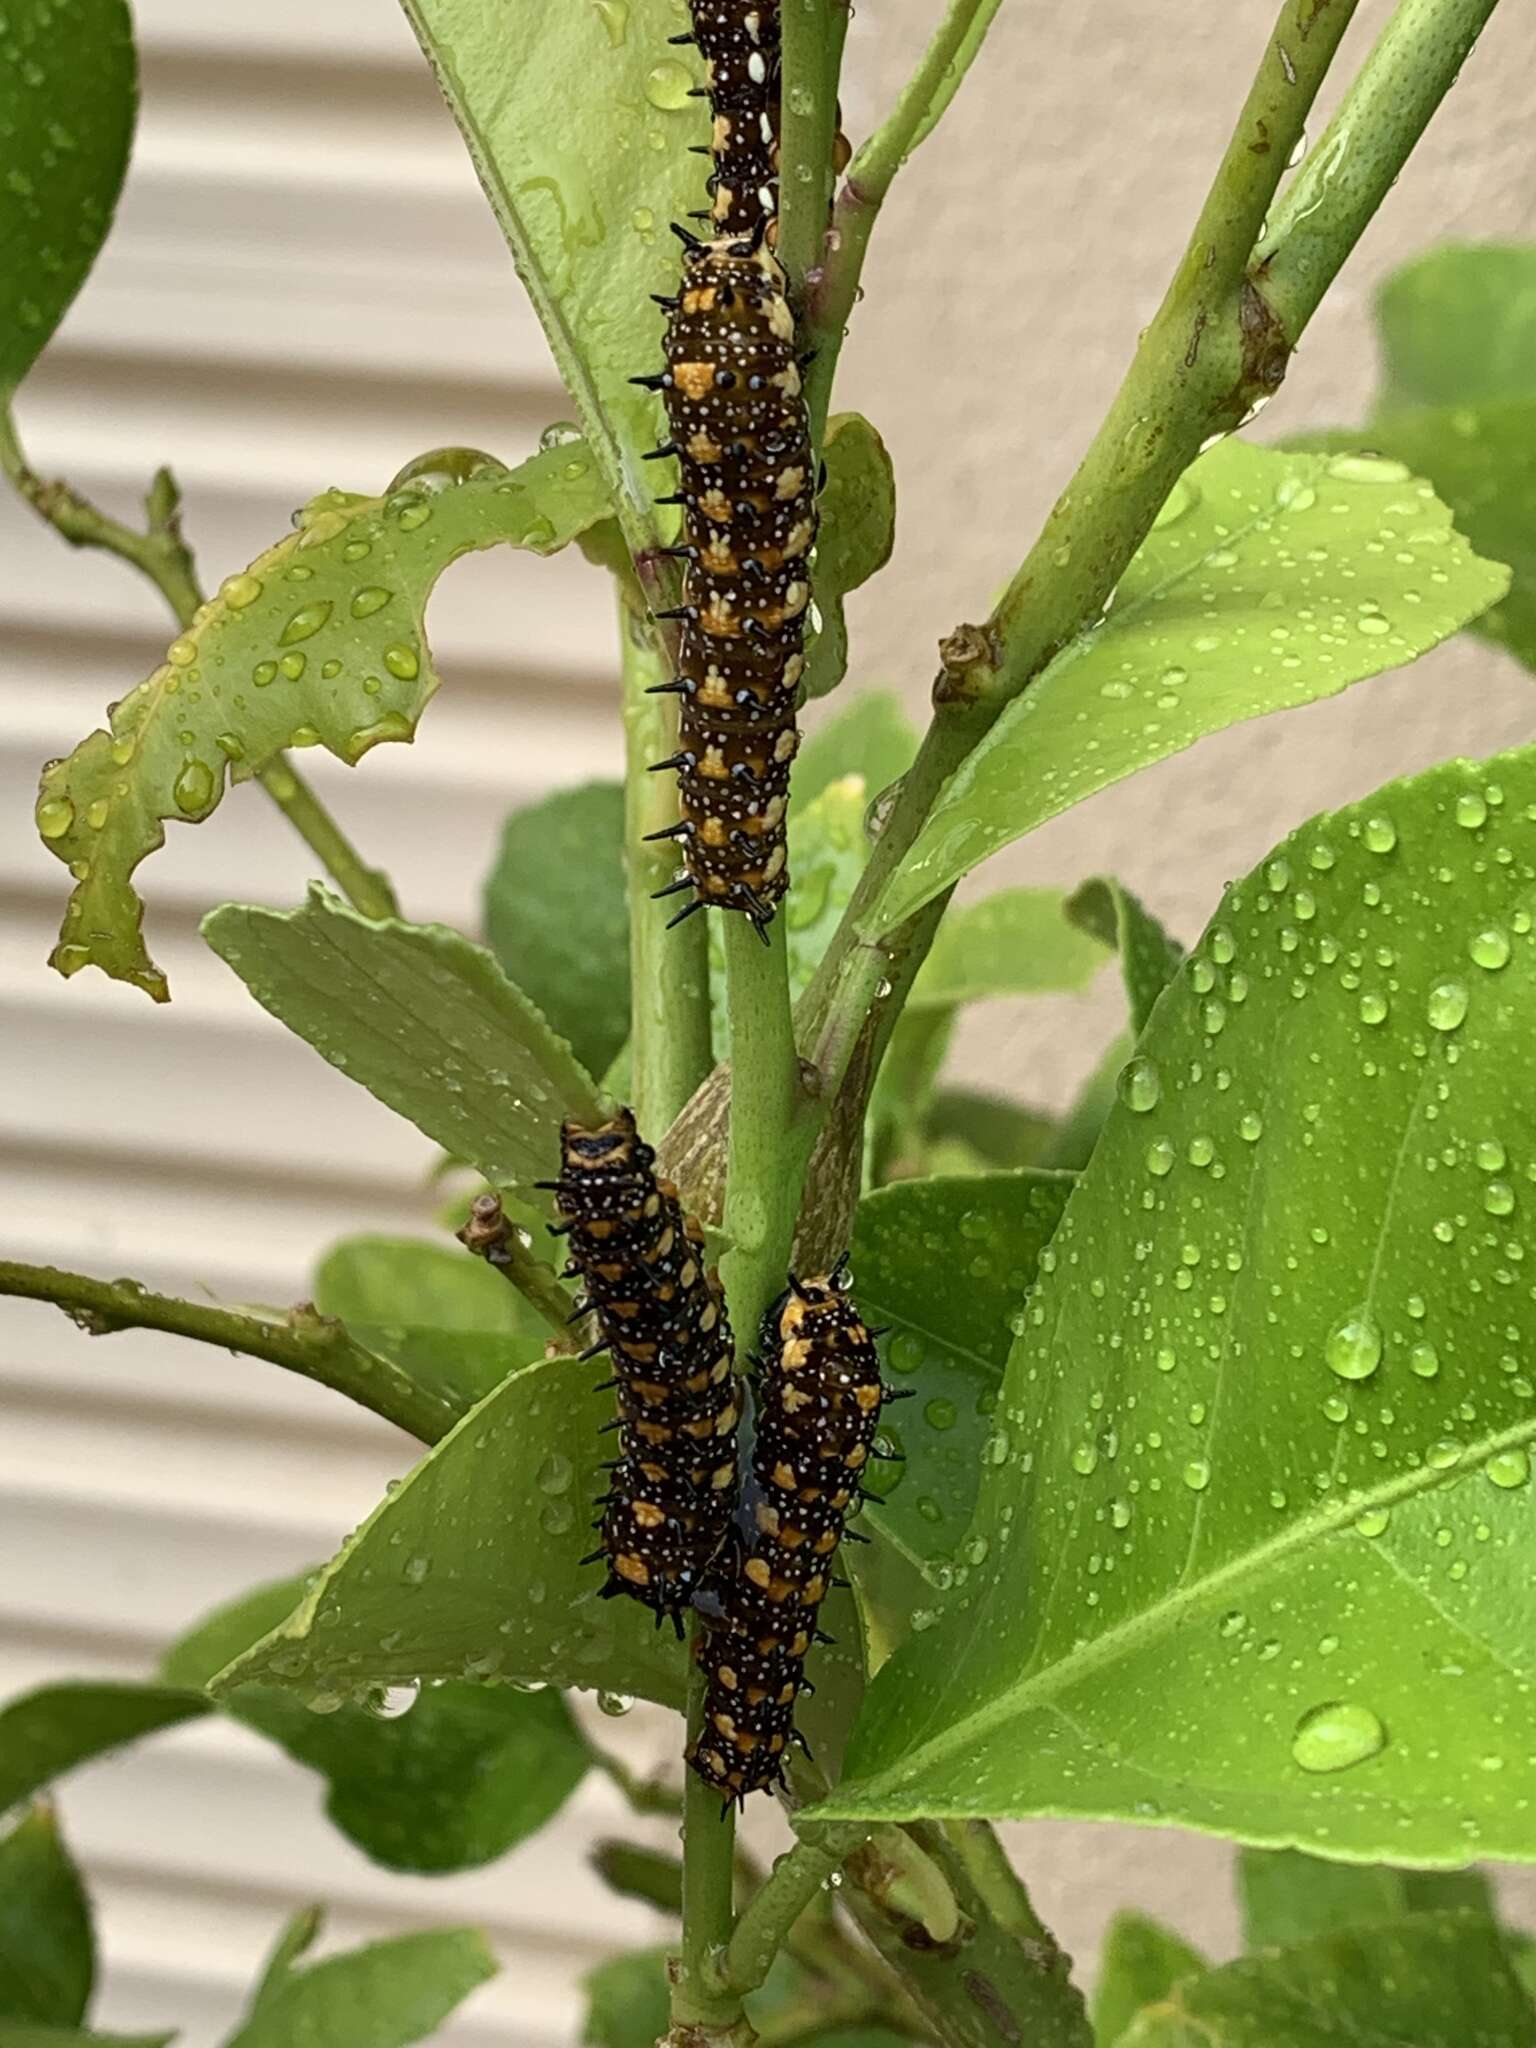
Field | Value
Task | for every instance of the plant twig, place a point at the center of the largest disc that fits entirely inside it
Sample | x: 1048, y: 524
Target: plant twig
x: 161, y: 553
x: 669, y: 1041
x: 491, y: 1236
x: 1354, y: 163
x: 996, y: 1881
x: 813, y: 35
x: 701, y: 1999
x: 796, y: 1878
x: 833, y: 286
x: 302, y: 1341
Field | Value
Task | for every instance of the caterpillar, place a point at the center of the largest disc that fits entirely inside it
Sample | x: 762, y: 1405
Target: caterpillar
x: 818, y: 1397
x: 739, y: 41
x: 672, y: 1490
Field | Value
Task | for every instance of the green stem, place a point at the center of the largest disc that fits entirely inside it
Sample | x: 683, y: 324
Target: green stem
x: 367, y: 889
x: 834, y: 286
x: 700, y: 1996
x: 794, y: 1883
x: 813, y: 34
x: 771, y: 1129
x: 489, y: 1235
x: 161, y: 553
x: 1352, y: 167
x: 996, y: 1881
x: 316, y: 1346
x: 670, y: 1051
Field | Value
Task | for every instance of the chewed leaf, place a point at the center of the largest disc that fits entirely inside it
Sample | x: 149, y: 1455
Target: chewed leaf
x: 321, y: 642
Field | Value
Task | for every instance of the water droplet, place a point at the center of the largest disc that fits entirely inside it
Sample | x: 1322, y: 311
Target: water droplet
x: 1443, y: 1453
x: 1160, y: 1157
x: 1353, y: 1346
x: 193, y: 787
x: 1490, y: 949
x: 1471, y: 811
x: 305, y: 623
x: 390, y: 1702
x: 1447, y: 1005
x: 1085, y: 1459
x: 239, y: 591
x: 1197, y: 1475
x: 55, y: 815
x: 293, y: 666
x: 940, y: 1414
x: 615, y: 1704
x: 1140, y: 1085
x: 402, y: 663
x: 370, y: 599
x: 1499, y: 1198
x: 1490, y: 1155
x: 1368, y: 469
x: 1373, y: 1008
x: 1373, y: 1522
x: 1250, y: 1126
x: 1509, y: 1468
x: 668, y: 85
x: 415, y: 1569
x: 1424, y: 1359
x: 1336, y: 1735
x: 181, y: 653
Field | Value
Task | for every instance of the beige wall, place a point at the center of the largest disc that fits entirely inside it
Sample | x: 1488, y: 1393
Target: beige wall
x: 249, y: 323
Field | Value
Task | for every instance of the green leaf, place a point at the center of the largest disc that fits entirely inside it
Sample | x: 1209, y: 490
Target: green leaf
x: 583, y: 201
x: 440, y: 1778
x: 857, y: 510
x: 382, y: 1996
x: 1267, y: 1429
x: 555, y: 915
x: 628, y: 2001
x: 47, y: 1956
x: 68, y: 93
x: 472, y: 1566
x: 945, y: 1264
x: 1482, y: 461
x: 321, y: 642
x: 1141, y: 1962
x: 1458, y: 327
x: 872, y: 737
x: 24, y: 2034
x: 986, y: 1128
x: 1149, y: 959
x: 424, y: 1020
x: 45, y: 1733
x: 1271, y: 580
x: 1016, y: 942
x: 1435, y: 1981
x: 1287, y: 1896
x: 294, y: 1941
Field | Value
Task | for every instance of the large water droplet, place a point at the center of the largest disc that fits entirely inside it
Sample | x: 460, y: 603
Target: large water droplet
x: 55, y: 815
x: 1447, y: 1006
x: 305, y: 623
x: 1335, y: 1735
x: 1140, y: 1085
x: 1353, y: 1346
x: 668, y: 85
x: 239, y: 591
x: 370, y: 599
x: 1368, y: 469
x: 390, y: 1702
x: 193, y: 787
x: 1509, y: 1468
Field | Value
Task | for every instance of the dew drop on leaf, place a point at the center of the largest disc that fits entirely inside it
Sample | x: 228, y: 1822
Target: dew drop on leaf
x: 1353, y: 1346
x: 1336, y: 1735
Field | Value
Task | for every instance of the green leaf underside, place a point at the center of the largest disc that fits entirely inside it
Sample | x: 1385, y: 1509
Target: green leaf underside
x: 471, y: 1567
x: 68, y: 92
x: 1016, y: 942
x: 424, y: 1020
x: 47, y: 1956
x: 583, y: 201
x: 1149, y: 958
x: 1458, y: 327
x: 28, y: 2034
x: 946, y: 1265
x: 985, y: 1130
x: 459, y: 1777
x: 1141, y: 1963
x: 383, y: 1996
x: 1287, y: 1897
x: 1247, y: 597
x: 1322, y: 1582
x: 857, y: 509
x: 321, y: 642
x: 872, y: 736
x: 1435, y: 1981
x: 45, y: 1733
x: 555, y: 915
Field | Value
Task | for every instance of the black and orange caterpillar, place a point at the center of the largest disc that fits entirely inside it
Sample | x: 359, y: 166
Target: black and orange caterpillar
x: 818, y: 1397
x: 673, y: 1488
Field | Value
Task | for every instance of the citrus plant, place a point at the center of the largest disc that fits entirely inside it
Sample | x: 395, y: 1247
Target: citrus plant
x: 1211, y: 1506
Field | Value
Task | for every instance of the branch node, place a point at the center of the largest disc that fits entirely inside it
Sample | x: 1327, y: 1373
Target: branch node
x: 968, y: 665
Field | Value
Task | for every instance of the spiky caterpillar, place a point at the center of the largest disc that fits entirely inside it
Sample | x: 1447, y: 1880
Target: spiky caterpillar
x: 818, y: 1396
x: 673, y: 1486
x: 739, y: 42
x: 741, y: 436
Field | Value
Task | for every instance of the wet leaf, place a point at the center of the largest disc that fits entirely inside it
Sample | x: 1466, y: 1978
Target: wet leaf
x: 47, y: 1956
x: 422, y: 1019
x: 29, y: 2034
x: 382, y: 1996
x: 45, y: 1733
x: 68, y: 93
x: 857, y: 532
x: 1437, y: 1980
x: 472, y: 1566
x: 1148, y: 957
x: 1141, y: 1962
x: 556, y: 918
x: 1272, y: 580
x: 584, y: 201
x: 872, y: 736
x: 1268, y: 1428
x: 321, y: 642
x: 946, y: 1265
x: 987, y: 1130
x: 1287, y: 1896
x: 1016, y: 942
